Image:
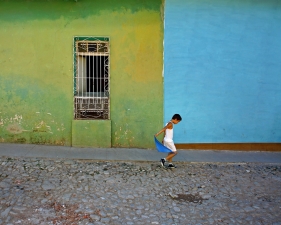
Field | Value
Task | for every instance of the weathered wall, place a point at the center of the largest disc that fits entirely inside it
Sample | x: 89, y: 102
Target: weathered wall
x: 223, y: 70
x: 36, y: 76
x: 95, y: 133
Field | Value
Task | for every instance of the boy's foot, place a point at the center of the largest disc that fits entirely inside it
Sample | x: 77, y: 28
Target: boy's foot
x: 162, y: 161
x: 171, y: 165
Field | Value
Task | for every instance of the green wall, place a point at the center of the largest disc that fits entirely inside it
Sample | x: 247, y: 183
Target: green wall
x: 99, y: 135
x: 36, y: 76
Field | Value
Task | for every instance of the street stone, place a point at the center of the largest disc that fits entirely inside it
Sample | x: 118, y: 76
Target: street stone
x: 46, y: 191
x: 5, y: 212
x: 4, y: 185
x: 19, y: 208
x: 47, y: 185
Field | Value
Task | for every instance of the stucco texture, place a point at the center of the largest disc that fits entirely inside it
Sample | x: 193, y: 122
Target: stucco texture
x: 36, y: 76
x: 222, y: 70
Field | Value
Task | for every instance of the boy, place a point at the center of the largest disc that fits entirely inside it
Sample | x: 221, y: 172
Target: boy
x: 168, y: 140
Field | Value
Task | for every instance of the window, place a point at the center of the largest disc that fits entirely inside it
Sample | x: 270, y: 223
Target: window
x: 91, y: 78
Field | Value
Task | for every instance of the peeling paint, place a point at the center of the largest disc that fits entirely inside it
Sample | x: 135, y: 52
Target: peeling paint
x: 42, y: 127
x: 125, y: 135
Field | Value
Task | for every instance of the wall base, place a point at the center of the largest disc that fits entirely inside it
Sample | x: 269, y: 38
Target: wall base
x: 91, y: 133
x: 233, y: 146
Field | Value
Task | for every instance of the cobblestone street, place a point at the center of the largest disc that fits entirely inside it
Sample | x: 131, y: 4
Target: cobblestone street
x: 46, y: 191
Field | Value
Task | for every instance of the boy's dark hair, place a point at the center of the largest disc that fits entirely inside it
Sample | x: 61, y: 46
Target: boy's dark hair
x: 177, y: 117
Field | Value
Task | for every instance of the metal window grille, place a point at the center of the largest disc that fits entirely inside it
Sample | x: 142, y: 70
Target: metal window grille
x: 91, y: 78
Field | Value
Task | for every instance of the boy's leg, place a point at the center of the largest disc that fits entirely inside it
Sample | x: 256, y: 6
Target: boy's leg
x: 170, y: 155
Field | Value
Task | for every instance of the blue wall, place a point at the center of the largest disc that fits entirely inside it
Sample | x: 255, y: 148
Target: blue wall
x: 222, y: 70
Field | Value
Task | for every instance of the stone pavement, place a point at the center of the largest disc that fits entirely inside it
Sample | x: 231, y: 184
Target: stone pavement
x: 53, y: 188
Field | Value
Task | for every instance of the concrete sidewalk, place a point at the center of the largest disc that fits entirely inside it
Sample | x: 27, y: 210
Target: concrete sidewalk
x: 134, y: 154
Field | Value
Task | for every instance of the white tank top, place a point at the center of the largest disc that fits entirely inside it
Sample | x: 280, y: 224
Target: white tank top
x: 169, y: 134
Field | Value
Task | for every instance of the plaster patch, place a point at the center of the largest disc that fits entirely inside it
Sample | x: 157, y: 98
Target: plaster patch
x: 14, y: 128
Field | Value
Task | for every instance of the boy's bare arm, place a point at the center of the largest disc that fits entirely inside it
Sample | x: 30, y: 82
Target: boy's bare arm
x: 168, y: 126
x: 161, y: 131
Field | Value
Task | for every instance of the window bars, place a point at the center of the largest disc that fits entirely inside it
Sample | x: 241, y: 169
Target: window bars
x: 91, y: 78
